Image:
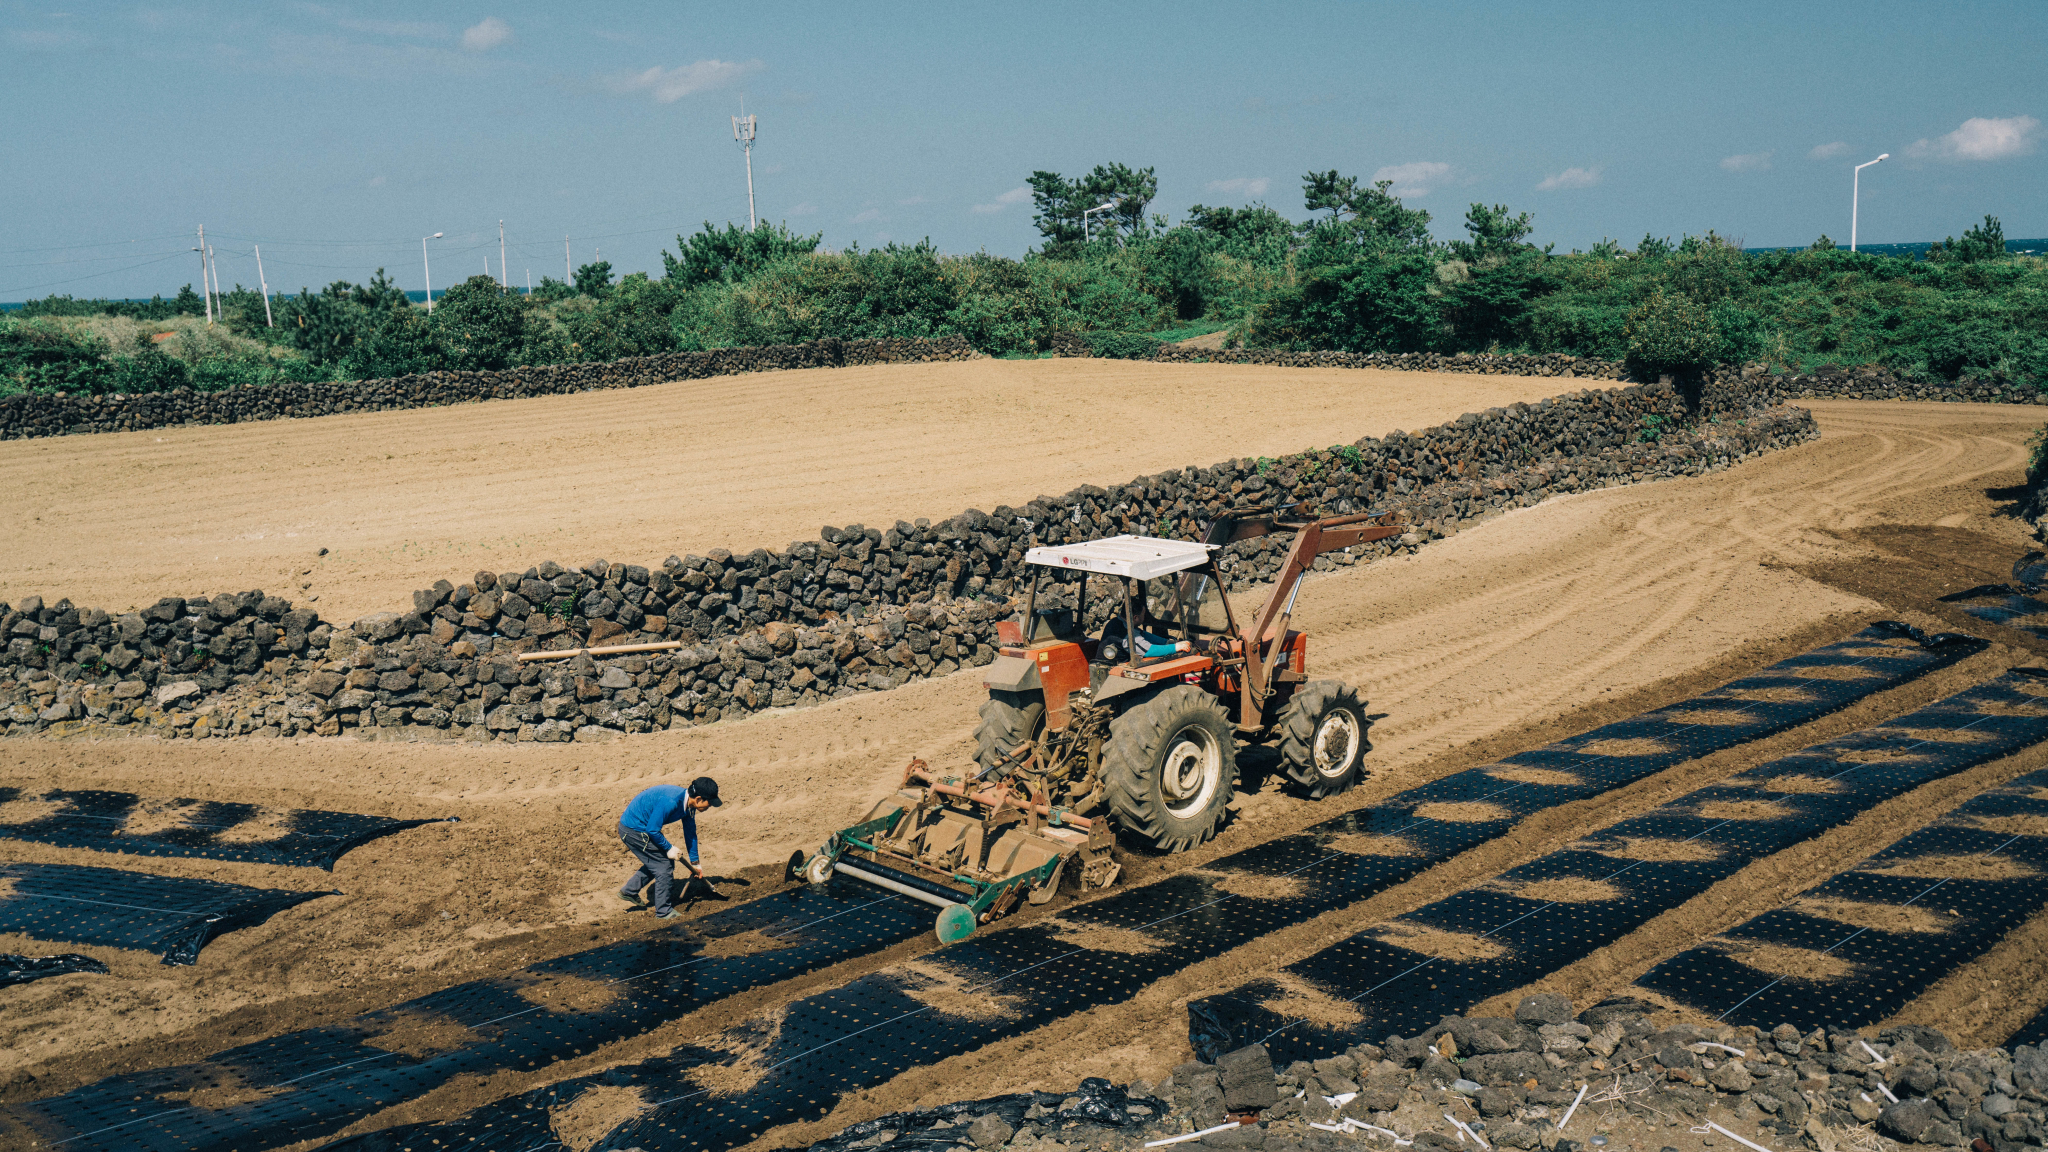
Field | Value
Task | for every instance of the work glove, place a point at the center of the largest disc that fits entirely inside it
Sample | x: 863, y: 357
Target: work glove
x: 675, y: 853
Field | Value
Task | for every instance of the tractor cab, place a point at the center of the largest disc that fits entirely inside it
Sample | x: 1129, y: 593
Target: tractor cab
x: 1169, y: 619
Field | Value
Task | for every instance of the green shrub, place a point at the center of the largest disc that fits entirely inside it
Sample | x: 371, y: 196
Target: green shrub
x: 1122, y: 345
x: 1669, y: 334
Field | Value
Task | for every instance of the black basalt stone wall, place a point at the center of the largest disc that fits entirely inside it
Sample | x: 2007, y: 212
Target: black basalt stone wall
x: 860, y: 609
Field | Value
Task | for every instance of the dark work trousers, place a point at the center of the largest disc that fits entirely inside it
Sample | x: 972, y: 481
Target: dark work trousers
x: 655, y: 868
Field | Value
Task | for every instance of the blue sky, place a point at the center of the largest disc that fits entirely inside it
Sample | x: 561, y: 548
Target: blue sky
x: 335, y: 135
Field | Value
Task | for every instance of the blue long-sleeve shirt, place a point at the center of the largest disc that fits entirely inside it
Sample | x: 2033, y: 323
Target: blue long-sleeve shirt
x: 659, y: 805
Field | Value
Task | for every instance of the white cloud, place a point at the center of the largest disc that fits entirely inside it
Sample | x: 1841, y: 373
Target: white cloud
x: 486, y: 34
x: 868, y: 216
x: 1982, y: 138
x: 1570, y: 178
x: 1834, y: 151
x: 1240, y: 186
x: 668, y: 85
x: 1013, y: 196
x: 1747, y: 162
x: 1414, y: 179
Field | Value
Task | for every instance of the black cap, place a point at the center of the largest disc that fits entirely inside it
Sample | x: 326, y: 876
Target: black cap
x: 705, y: 788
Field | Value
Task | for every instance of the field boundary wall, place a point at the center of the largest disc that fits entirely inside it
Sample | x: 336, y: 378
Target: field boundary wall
x: 28, y: 415
x: 859, y: 609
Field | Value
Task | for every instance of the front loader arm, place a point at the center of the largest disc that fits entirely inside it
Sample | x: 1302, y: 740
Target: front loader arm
x: 1262, y: 637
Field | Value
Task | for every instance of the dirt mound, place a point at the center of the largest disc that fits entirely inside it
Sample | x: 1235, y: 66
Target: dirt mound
x: 1791, y: 963
x: 582, y: 1122
x: 1253, y: 886
x: 1517, y: 775
x: 29, y: 809
x: 951, y: 994
x: 1441, y: 944
x: 1883, y: 917
x: 419, y: 1034
x: 1640, y: 746
x: 1958, y: 867
x: 1800, y: 785
x: 1463, y: 812
x: 1563, y: 890
x: 748, y: 944
x: 1368, y: 844
x: 1647, y: 848
x: 1300, y: 999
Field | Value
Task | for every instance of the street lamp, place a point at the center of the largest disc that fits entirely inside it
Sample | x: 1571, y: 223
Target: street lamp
x: 1086, y: 213
x: 426, y: 271
x: 1855, y: 192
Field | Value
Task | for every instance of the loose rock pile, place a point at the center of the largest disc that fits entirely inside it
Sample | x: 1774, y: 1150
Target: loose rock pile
x: 1511, y: 1081
x: 42, y: 414
x: 860, y: 609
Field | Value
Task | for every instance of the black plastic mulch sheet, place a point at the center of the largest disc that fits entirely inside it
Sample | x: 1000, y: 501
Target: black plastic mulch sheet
x: 311, y: 1083
x: 1528, y: 922
x: 1973, y: 876
x: 865, y: 1032
x: 2004, y: 604
x: 2033, y: 1032
x: 174, y: 916
x: 212, y: 829
x: 16, y: 969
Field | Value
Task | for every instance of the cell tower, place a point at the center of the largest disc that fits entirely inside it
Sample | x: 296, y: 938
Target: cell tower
x: 743, y: 130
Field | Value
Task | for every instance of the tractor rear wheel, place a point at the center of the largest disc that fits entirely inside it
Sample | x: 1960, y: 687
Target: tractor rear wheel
x: 1323, y: 737
x: 1007, y: 720
x: 1170, y: 765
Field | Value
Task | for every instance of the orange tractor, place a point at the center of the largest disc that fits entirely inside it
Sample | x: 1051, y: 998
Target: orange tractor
x: 1135, y: 722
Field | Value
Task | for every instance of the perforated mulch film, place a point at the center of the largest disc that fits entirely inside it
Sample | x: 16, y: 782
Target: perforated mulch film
x: 174, y: 916
x: 797, y: 1064
x: 1854, y: 950
x: 311, y: 1083
x: 1526, y: 923
x: 15, y: 969
x: 215, y: 830
x: 2033, y: 1032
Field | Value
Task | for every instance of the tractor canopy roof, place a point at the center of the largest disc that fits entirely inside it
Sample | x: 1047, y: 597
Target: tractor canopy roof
x: 1140, y: 557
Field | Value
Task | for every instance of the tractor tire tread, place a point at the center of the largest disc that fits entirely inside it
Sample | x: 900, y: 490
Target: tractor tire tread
x: 1129, y: 755
x: 1007, y: 720
x: 1297, y: 731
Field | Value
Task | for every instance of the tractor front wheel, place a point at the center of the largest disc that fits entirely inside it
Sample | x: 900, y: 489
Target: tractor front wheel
x: 1323, y: 737
x: 1007, y: 720
x: 1170, y: 765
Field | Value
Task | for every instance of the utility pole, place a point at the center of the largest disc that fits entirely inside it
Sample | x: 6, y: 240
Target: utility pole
x: 568, y: 277
x: 213, y: 266
x: 265, y: 285
x: 744, y: 129
x: 529, y: 281
x: 205, y: 286
x: 503, y: 281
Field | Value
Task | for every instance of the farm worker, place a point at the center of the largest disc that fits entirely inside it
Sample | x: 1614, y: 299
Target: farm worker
x: 640, y: 827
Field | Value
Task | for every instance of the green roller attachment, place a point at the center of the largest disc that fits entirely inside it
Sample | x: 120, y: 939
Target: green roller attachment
x: 956, y: 923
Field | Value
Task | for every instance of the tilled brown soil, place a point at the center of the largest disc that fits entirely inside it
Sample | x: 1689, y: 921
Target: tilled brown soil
x: 1540, y: 623
x: 398, y: 500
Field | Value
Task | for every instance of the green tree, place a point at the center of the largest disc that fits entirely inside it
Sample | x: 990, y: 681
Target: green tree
x: 1980, y: 242
x: 732, y: 253
x: 594, y: 280
x: 477, y: 326
x: 1381, y: 305
x: 1362, y: 221
x: 1059, y: 204
x: 1823, y: 244
x: 1669, y: 334
x: 1494, y: 233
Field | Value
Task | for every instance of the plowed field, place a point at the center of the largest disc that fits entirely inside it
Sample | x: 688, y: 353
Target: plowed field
x: 1535, y: 625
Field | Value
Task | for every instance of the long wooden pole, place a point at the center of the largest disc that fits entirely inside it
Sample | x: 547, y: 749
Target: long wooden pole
x: 614, y: 650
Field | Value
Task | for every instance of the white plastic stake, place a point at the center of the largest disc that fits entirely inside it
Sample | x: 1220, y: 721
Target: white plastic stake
x: 1887, y: 1092
x: 1875, y: 1059
x: 1475, y: 1135
x: 1574, y: 1108
x: 1737, y: 1139
x: 1723, y: 1047
x: 1205, y: 1132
